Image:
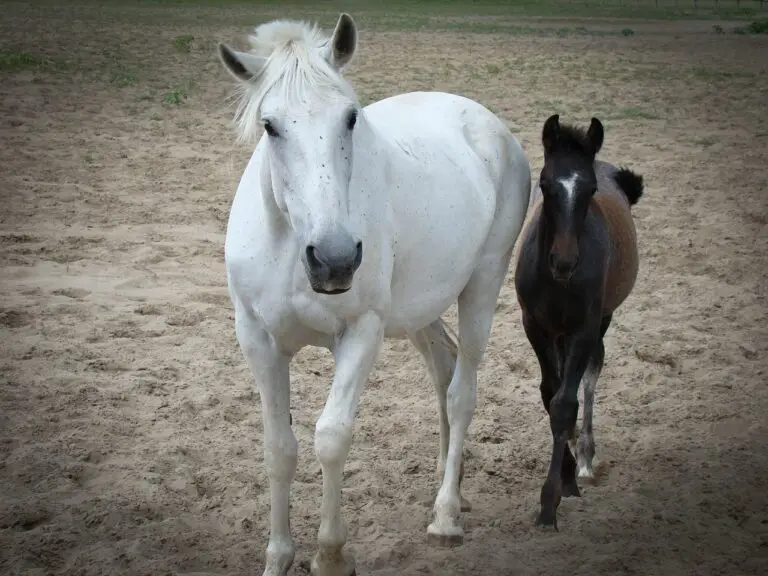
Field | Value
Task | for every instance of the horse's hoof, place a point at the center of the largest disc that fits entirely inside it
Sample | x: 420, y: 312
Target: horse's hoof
x: 586, y: 473
x: 466, y: 506
x: 547, y: 519
x: 444, y: 537
x: 338, y: 564
x: 571, y: 489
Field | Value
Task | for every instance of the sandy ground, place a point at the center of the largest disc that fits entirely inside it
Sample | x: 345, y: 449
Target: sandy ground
x: 130, y: 436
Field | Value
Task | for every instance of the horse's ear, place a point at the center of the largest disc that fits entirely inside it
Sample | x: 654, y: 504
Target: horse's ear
x: 595, y: 134
x: 343, y: 43
x: 550, y: 132
x: 243, y: 66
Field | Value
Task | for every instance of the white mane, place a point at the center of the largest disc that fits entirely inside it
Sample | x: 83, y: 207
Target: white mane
x: 296, y: 66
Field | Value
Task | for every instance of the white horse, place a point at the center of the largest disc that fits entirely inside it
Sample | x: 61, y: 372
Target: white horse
x: 354, y: 224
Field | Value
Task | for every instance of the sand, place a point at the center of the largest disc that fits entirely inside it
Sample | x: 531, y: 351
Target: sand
x: 130, y: 434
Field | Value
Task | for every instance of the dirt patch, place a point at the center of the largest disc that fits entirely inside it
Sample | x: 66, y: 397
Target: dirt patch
x: 129, y: 432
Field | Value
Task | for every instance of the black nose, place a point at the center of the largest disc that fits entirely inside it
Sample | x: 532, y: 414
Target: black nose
x: 336, y: 262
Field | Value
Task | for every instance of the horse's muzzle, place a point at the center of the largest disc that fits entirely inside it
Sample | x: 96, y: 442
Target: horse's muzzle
x: 331, y: 264
x: 562, y: 268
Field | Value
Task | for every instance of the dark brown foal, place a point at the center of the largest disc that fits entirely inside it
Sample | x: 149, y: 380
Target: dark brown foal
x: 576, y: 264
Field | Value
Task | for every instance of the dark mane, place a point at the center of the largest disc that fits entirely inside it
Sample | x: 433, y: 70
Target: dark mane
x: 571, y: 138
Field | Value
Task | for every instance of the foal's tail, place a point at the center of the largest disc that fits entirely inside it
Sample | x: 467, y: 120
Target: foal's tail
x: 630, y: 183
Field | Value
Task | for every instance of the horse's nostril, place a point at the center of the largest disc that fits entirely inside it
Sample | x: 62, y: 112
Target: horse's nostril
x: 313, y: 259
x: 358, y: 255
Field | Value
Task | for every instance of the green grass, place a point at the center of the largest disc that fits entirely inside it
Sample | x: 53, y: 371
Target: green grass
x: 474, y: 15
x: 13, y: 61
x: 710, y: 74
x: 183, y: 43
x: 646, y: 9
x: 124, y: 78
x: 758, y: 27
x: 175, y: 96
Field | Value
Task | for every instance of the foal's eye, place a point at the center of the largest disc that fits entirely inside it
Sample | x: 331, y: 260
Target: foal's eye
x: 269, y: 129
x: 351, y: 119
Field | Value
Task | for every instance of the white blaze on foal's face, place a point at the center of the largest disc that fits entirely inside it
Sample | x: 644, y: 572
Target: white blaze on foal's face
x: 309, y: 115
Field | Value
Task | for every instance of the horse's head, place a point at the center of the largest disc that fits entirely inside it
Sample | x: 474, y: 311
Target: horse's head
x: 568, y: 182
x: 293, y: 86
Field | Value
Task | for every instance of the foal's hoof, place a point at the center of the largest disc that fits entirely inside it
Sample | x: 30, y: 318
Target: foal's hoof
x: 571, y: 489
x: 466, y: 506
x: 444, y: 536
x: 586, y: 473
x: 547, y: 519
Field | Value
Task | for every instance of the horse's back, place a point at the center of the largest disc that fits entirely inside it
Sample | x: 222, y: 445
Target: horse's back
x: 612, y: 205
x: 459, y: 190
x: 454, y: 122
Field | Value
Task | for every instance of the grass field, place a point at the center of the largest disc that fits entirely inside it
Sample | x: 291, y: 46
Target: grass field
x: 130, y: 437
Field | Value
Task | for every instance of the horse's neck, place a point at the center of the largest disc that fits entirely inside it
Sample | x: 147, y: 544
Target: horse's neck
x: 373, y: 160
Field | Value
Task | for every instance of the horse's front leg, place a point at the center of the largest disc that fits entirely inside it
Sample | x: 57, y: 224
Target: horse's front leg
x: 355, y: 354
x: 270, y: 367
x: 563, y: 410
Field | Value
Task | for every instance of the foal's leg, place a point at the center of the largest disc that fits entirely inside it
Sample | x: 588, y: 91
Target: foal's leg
x: 435, y: 346
x: 477, y: 304
x: 270, y: 368
x: 563, y: 411
x: 355, y: 354
x: 550, y: 361
x: 585, y: 448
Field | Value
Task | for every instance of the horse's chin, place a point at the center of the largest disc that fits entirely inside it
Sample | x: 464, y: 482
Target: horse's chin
x: 562, y: 279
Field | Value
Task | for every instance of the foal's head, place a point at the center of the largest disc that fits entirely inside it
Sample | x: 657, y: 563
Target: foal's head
x: 567, y: 183
x: 291, y: 84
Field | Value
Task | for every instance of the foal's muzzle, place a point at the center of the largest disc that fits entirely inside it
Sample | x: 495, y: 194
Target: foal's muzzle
x: 331, y: 263
x: 562, y: 267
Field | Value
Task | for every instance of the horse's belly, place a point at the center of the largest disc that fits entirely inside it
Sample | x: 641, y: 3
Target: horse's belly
x: 430, y: 275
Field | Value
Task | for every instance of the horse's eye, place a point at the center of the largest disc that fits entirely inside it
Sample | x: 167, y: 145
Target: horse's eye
x: 269, y: 129
x: 544, y: 186
x: 351, y: 119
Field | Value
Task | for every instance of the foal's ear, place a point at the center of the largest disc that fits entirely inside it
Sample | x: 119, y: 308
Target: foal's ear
x: 343, y: 43
x: 595, y: 134
x: 243, y: 66
x: 550, y: 132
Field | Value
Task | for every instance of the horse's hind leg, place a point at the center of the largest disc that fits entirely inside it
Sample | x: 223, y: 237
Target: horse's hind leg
x: 439, y: 353
x: 477, y: 304
x: 585, y: 447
